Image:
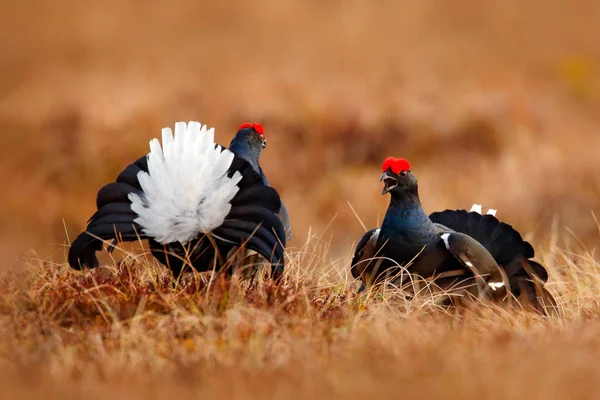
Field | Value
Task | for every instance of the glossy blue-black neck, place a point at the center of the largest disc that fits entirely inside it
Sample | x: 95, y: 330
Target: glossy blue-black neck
x: 248, y: 145
x: 406, y: 228
x: 405, y: 213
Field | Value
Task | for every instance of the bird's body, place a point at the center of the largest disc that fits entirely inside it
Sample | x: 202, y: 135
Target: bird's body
x: 192, y: 199
x: 463, y: 251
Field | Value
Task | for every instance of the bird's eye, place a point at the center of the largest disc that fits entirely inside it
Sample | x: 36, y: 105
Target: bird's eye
x: 403, y: 174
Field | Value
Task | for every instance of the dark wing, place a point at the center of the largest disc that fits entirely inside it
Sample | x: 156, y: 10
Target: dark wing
x: 283, y: 212
x: 365, y: 250
x: 113, y: 219
x: 507, y: 247
x: 253, y: 220
x: 490, y: 278
x: 285, y: 220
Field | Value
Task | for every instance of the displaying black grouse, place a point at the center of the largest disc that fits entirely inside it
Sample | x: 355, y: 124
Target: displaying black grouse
x: 193, y: 200
x: 462, y: 251
x: 248, y: 143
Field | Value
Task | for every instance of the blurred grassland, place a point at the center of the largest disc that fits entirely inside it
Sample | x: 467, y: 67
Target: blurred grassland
x: 493, y: 102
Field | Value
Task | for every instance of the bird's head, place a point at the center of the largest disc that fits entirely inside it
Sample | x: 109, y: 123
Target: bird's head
x: 252, y: 134
x: 397, y: 177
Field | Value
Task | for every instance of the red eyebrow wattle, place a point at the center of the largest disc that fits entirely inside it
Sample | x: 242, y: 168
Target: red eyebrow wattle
x: 256, y: 126
x: 259, y: 128
x: 396, y: 164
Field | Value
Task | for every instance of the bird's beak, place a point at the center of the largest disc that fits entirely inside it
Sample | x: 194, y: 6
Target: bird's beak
x: 389, y: 182
x: 264, y: 141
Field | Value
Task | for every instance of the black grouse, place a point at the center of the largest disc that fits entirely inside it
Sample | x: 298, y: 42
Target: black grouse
x: 464, y: 252
x: 194, y: 201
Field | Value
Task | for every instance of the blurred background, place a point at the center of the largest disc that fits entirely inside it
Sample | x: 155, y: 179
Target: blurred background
x: 494, y: 102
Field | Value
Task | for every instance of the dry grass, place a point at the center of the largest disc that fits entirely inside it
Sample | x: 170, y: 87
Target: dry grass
x: 493, y: 102
x: 129, y: 331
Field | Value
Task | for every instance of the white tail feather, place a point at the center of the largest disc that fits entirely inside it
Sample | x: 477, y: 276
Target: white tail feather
x: 186, y: 190
x: 476, y: 208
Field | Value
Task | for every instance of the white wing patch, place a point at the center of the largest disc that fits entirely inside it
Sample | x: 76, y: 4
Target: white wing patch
x: 445, y: 238
x: 375, y: 235
x: 495, y: 285
x: 186, y: 190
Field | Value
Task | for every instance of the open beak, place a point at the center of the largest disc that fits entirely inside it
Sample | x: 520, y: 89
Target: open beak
x: 389, y: 182
x: 264, y: 142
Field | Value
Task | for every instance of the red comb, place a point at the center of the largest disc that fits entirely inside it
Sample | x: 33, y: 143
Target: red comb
x: 396, y: 164
x: 257, y: 127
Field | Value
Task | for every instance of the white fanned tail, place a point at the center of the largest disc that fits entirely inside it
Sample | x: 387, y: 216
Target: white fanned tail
x: 186, y: 191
